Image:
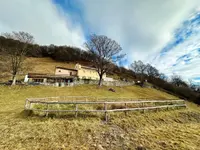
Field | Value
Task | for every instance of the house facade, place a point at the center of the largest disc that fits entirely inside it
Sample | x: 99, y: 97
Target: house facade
x: 46, y: 79
x: 65, y: 71
x: 65, y: 76
x: 85, y: 72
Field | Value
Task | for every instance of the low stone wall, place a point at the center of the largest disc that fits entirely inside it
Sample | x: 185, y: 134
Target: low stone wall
x: 117, y: 83
x: 79, y: 82
x: 91, y: 82
x: 106, y: 83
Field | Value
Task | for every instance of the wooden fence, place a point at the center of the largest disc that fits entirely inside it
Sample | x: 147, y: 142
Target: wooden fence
x: 125, y: 106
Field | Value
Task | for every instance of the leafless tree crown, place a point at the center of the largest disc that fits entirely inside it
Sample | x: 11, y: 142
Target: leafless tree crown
x: 16, y: 50
x: 105, y: 52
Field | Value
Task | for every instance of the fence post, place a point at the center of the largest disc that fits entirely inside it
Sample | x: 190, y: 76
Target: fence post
x: 26, y: 104
x: 76, y: 113
x: 126, y: 108
x: 167, y: 108
x: 156, y: 109
x: 142, y: 104
x: 47, y: 110
x: 143, y: 107
x: 106, y: 114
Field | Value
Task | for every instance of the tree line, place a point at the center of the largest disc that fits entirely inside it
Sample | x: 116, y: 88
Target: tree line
x: 174, y: 85
x: 102, y: 52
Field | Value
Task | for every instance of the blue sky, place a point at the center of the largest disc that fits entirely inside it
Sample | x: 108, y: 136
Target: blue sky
x: 163, y: 33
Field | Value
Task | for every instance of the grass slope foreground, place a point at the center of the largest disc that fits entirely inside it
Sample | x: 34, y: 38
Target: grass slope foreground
x: 163, y: 130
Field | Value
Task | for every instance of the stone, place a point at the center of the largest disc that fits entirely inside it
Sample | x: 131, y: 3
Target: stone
x: 111, y: 89
x: 100, y: 147
x: 140, y: 147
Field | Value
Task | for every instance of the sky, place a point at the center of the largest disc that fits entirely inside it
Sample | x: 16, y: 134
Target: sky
x: 163, y: 33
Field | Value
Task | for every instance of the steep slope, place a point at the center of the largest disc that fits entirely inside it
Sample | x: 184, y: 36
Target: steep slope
x: 173, y: 129
x: 37, y: 65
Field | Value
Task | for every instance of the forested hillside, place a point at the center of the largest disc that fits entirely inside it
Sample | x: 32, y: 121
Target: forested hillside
x: 138, y: 72
x: 66, y: 54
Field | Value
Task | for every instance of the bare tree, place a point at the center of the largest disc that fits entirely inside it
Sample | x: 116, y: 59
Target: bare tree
x: 151, y: 71
x: 163, y: 77
x: 177, y: 80
x: 16, y: 50
x: 139, y: 68
x: 105, y: 51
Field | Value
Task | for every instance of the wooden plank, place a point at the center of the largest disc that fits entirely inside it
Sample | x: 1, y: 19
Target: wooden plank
x: 147, y: 108
x: 44, y: 98
x: 88, y: 98
x: 100, y: 102
x: 68, y: 110
x: 113, y: 110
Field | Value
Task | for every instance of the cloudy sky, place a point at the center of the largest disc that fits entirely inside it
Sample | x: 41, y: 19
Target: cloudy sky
x: 165, y: 33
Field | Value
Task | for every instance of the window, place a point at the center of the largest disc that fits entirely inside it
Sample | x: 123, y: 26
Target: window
x: 38, y: 80
x: 70, y: 73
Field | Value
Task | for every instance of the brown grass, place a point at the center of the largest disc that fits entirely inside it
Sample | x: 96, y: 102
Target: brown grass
x: 174, y: 129
x: 37, y: 65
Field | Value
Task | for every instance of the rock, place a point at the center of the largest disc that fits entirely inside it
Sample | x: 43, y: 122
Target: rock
x: 114, y: 142
x: 107, y: 141
x: 111, y: 89
x: 99, y: 147
x: 121, y: 136
x: 140, y: 148
x: 89, y: 137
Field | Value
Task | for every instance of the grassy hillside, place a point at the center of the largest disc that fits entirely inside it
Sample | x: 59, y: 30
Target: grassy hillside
x: 174, y: 129
x: 37, y: 65
x: 46, y: 65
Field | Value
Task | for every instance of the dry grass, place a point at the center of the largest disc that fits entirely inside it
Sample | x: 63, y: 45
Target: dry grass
x: 175, y: 129
x: 37, y: 65
x: 46, y: 65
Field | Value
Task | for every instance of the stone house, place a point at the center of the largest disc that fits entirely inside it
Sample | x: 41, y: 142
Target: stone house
x: 85, y: 72
x: 65, y: 76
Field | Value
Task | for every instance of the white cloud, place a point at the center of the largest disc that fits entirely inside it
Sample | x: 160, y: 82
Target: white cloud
x: 43, y: 19
x: 184, y: 58
x: 141, y: 27
x: 171, y: 63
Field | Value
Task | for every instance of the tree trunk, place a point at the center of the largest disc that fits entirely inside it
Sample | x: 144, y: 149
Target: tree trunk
x: 141, y: 77
x: 100, y: 80
x: 14, y: 80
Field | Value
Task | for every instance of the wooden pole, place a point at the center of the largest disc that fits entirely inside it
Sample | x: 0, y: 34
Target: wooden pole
x: 105, y: 109
x: 143, y: 107
x: 47, y: 112
x: 76, y: 113
x: 126, y: 108
x: 26, y: 104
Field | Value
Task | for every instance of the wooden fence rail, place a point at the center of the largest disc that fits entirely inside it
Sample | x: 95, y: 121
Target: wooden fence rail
x: 155, y: 105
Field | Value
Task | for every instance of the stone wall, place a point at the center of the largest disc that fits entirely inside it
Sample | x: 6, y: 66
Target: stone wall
x: 117, y: 83
x: 106, y: 83
x: 92, y: 82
